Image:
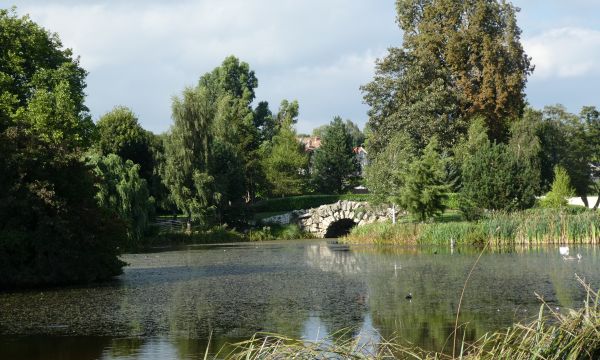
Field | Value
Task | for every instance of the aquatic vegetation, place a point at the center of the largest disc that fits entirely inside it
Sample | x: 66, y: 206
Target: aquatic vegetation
x: 531, y: 227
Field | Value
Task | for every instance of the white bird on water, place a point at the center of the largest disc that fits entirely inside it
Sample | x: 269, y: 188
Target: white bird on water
x: 564, y: 250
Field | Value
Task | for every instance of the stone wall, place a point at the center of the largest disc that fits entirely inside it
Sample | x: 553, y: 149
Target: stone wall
x: 318, y: 220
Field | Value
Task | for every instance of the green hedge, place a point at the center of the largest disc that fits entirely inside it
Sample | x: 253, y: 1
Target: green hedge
x: 304, y: 202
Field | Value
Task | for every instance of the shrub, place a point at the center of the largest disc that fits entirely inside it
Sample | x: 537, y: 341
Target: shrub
x: 560, y: 191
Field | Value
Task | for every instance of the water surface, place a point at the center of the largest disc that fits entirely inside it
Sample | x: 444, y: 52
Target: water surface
x: 168, y: 303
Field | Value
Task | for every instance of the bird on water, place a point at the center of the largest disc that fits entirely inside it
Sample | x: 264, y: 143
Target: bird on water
x: 409, y: 296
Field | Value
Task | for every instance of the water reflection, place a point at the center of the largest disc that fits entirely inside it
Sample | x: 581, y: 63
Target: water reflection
x: 167, y: 304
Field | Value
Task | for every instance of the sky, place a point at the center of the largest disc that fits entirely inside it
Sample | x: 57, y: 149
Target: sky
x: 141, y: 53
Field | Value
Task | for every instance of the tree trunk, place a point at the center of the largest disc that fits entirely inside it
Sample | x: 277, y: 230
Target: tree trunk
x: 585, y: 200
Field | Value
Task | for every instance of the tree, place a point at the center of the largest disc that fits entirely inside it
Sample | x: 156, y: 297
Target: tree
x: 561, y: 189
x: 425, y: 188
x: 284, y: 162
x: 288, y: 113
x: 51, y: 229
x: 459, y: 60
x: 358, y: 138
x: 188, y: 153
x: 264, y: 122
x: 124, y: 192
x: 498, y: 176
x: 568, y: 140
x: 385, y: 174
x: 334, y: 164
x: 120, y: 133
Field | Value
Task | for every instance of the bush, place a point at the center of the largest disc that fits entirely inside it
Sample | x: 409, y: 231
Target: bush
x: 304, y: 202
x: 278, y: 232
x: 560, y: 191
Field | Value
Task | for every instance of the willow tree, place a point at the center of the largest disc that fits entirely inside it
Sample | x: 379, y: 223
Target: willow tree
x: 460, y: 59
x: 188, y: 151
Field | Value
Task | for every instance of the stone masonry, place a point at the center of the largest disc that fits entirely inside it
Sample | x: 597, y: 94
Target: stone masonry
x: 318, y: 220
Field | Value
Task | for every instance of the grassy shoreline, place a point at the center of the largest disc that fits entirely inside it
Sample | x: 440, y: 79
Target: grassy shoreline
x: 530, y: 227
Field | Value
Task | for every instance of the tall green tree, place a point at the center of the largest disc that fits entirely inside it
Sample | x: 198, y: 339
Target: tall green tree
x: 567, y: 140
x: 188, y: 153
x: 385, y: 175
x: 497, y: 176
x: 459, y: 60
x: 51, y: 229
x: 285, y: 163
x: 561, y: 189
x: 334, y: 164
x: 425, y: 187
x: 124, y: 192
x: 120, y: 133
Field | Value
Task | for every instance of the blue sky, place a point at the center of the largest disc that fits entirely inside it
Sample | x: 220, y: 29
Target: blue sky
x: 140, y: 53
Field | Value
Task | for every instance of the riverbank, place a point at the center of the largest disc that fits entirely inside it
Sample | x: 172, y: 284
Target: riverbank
x: 529, y: 227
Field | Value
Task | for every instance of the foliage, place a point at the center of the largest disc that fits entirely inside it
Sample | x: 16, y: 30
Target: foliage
x: 424, y: 191
x: 357, y: 136
x: 403, y: 175
x: 214, y: 235
x: 570, y: 141
x: 334, y: 164
x: 264, y: 122
x: 285, y: 163
x: 188, y: 152
x: 459, y: 60
x: 51, y: 229
x: 385, y: 175
x: 304, y: 202
x: 288, y: 113
x: 278, y: 232
x: 120, y: 133
x: 529, y: 227
x: 561, y: 189
x: 499, y: 176
x: 124, y: 192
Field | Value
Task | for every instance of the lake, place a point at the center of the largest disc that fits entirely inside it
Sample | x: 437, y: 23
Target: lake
x: 167, y: 303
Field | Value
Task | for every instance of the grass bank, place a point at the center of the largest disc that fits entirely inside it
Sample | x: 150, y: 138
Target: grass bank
x: 530, y: 227
x: 571, y: 334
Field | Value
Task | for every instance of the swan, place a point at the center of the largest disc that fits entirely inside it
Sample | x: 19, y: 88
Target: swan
x: 564, y: 250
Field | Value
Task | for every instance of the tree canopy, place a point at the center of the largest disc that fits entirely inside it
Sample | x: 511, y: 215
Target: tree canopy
x: 459, y: 60
x: 334, y: 163
x: 51, y: 229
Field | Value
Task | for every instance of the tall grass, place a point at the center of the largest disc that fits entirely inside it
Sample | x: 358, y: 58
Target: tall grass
x: 532, y: 227
x: 572, y: 334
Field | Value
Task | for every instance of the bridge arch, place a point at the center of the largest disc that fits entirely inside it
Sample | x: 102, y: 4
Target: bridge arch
x: 339, y: 228
x: 334, y: 220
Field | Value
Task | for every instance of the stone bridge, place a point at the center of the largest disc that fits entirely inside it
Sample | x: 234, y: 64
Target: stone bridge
x: 333, y: 220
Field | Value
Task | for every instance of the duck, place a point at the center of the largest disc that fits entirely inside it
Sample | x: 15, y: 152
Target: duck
x: 578, y: 257
x: 409, y: 296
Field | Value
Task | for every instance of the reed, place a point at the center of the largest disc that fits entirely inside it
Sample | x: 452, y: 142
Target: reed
x: 532, y: 227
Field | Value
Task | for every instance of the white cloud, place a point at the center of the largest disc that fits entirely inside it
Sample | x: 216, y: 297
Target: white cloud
x: 565, y: 53
x: 140, y: 53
